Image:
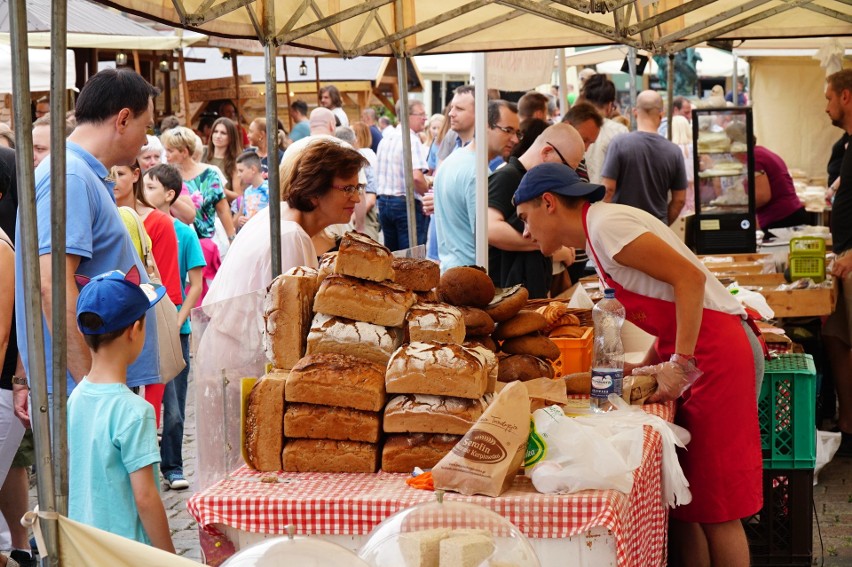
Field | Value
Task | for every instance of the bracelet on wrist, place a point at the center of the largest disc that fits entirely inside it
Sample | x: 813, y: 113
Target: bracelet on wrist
x: 20, y: 381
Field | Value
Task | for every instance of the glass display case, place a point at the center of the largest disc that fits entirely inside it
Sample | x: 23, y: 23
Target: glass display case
x: 723, y: 151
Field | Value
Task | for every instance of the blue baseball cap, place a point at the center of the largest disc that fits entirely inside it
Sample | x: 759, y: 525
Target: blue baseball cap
x: 555, y: 178
x: 118, y: 299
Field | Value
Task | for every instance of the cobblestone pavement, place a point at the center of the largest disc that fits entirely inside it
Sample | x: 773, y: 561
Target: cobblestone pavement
x: 832, y: 502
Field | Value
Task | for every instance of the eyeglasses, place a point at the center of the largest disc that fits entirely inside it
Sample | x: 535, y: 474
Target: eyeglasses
x: 558, y: 153
x: 351, y: 190
x: 511, y: 131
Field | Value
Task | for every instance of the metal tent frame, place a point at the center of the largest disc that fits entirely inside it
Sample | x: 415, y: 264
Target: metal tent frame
x: 398, y: 28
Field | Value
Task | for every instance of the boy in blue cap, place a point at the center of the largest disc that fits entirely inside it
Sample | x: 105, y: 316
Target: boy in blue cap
x: 112, y: 476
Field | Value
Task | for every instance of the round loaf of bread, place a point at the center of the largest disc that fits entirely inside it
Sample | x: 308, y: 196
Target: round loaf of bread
x: 507, y: 302
x: 524, y: 323
x: 416, y: 274
x: 523, y: 367
x: 466, y: 285
x: 480, y: 340
x: 477, y: 321
x: 535, y: 344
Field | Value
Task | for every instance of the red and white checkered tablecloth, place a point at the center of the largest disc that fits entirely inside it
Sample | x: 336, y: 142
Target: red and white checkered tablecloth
x: 353, y: 504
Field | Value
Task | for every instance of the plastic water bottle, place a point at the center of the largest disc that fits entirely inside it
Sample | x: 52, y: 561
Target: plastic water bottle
x: 608, y: 360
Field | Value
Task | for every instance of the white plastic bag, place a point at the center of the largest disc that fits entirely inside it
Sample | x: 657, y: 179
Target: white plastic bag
x: 584, y: 453
x: 752, y: 299
x: 827, y: 444
x: 601, y: 451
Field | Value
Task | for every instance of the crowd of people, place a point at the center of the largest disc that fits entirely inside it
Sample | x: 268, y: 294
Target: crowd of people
x: 190, y: 209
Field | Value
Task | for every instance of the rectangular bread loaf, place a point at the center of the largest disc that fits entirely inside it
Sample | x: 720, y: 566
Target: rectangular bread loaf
x: 440, y: 369
x: 327, y: 455
x: 264, y: 425
x: 362, y: 257
x: 416, y: 274
x: 422, y: 413
x: 327, y: 422
x: 337, y: 380
x: 287, y: 316
x: 439, y: 322
x: 379, y: 304
x: 337, y: 335
x: 401, y: 453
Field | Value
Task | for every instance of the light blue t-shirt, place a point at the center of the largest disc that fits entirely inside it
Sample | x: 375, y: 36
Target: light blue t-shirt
x: 455, y: 209
x: 96, y: 233
x: 300, y: 130
x: 103, y: 452
x: 255, y: 199
x: 189, y: 256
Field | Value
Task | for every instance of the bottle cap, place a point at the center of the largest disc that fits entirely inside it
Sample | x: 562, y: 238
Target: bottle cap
x: 609, y: 293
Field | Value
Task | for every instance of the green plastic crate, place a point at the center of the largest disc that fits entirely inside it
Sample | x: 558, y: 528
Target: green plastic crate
x: 786, y: 409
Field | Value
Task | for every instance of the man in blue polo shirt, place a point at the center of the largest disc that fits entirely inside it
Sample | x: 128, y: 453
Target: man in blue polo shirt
x: 114, y: 111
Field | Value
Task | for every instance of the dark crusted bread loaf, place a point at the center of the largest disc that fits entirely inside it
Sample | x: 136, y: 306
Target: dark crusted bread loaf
x: 401, y: 453
x: 337, y: 380
x: 466, y: 285
x: 380, y: 304
x: 416, y: 274
x: 264, y: 429
x: 440, y: 369
x: 362, y: 257
x: 327, y: 455
x: 311, y: 421
x: 422, y: 413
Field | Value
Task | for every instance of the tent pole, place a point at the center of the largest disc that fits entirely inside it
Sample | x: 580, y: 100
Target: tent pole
x: 481, y: 140
x: 187, y: 120
x: 287, y: 86
x: 563, y: 82
x: 316, y: 72
x: 405, y: 132
x: 735, y: 97
x: 237, y: 100
x: 273, y: 178
x: 28, y: 248
x: 670, y: 95
x: 631, y: 65
x: 58, y: 201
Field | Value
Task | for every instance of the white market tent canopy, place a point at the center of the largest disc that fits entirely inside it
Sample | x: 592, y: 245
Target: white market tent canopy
x: 378, y: 27
x: 40, y: 60
x: 92, y: 25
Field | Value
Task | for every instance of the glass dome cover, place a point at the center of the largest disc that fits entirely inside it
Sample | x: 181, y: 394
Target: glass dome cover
x: 447, y: 534
x: 290, y: 550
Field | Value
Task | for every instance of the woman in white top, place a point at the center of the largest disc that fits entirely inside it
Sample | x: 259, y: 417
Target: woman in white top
x: 322, y: 189
x: 670, y: 294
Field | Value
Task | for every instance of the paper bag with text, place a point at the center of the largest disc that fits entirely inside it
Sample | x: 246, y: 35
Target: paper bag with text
x: 487, y: 458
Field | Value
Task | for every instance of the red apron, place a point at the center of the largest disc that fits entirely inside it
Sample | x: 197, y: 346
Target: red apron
x: 723, y: 461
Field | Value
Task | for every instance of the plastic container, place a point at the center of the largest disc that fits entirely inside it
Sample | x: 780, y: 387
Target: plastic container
x: 807, y: 258
x: 290, y: 550
x: 786, y: 409
x: 575, y: 354
x: 781, y: 534
x: 420, y: 534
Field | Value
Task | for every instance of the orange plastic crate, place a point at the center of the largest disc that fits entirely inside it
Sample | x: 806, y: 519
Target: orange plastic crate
x: 576, y: 354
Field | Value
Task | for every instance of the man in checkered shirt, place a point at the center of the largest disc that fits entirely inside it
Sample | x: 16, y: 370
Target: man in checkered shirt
x: 390, y: 180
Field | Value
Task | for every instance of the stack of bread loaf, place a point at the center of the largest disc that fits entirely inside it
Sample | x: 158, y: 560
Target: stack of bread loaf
x: 439, y: 387
x: 336, y: 392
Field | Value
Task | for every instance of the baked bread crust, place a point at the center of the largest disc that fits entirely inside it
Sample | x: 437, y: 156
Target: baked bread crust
x: 439, y: 369
x: 338, y: 335
x: 524, y: 323
x: 311, y: 421
x: 416, y: 274
x: 507, y: 303
x: 401, y: 453
x: 329, y: 455
x: 376, y: 303
x: 264, y: 431
x: 337, y: 380
x: 535, y: 344
x: 477, y: 321
x: 466, y: 285
x: 438, y: 322
x: 359, y: 256
x: 523, y: 367
x: 422, y: 413
x: 287, y: 315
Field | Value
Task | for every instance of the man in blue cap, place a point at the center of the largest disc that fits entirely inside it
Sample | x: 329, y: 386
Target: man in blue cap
x: 112, y: 481
x: 670, y: 294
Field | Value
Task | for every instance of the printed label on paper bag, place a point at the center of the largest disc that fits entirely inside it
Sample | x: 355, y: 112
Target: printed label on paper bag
x: 536, y: 447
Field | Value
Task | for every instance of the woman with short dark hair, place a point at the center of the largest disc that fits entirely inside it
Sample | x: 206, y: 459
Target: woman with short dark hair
x: 320, y: 189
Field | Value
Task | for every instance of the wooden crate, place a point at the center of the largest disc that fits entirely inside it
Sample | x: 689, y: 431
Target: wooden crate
x: 802, y: 302
x: 725, y: 260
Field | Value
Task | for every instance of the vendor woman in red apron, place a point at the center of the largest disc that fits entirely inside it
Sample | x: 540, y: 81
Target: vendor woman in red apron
x: 669, y: 293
